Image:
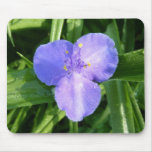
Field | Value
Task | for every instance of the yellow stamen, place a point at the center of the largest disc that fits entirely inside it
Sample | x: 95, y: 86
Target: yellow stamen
x: 66, y: 52
x: 65, y: 68
x: 80, y: 45
x: 85, y: 66
x: 89, y: 64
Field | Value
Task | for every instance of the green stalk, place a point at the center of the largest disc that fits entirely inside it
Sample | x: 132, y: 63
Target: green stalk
x: 121, y: 111
x: 56, y: 29
x: 9, y: 32
x: 22, y: 115
x: 27, y: 61
x: 74, y: 29
x: 73, y: 127
x: 136, y: 109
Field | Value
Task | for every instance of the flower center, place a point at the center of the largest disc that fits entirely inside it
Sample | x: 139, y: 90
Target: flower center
x: 74, y: 63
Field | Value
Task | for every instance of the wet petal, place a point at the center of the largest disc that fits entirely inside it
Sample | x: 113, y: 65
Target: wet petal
x: 77, y: 96
x: 100, y: 57
x: 49, y: 61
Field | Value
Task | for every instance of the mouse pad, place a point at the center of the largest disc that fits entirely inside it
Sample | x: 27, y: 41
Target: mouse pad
x: 75, y: 76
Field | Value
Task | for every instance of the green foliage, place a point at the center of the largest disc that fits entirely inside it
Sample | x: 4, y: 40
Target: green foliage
x: 130, y: 66
x: 31, y: 105
x: 24, y: 89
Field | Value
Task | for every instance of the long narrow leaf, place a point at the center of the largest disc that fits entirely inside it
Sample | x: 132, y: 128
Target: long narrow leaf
x: 18, y: 24
x: 28, y: 62
x: 74, y: 29
x: 120, y: 107
x: 117, y: 93
x: 128, y: 35
x: 19, y: 119
x: 9, y: 32
x: 136, y: 108
x: 112, y: 31
x: 56, y: 29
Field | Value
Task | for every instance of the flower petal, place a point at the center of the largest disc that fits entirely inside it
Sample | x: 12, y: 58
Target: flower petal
x: 49, y: 61
x: 77, y: 96
x: 98, y: 52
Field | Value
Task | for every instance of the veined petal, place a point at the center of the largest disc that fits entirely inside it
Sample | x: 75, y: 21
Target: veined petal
x: 99, y: 55
x: 77, y: 96
x: 49, y: 61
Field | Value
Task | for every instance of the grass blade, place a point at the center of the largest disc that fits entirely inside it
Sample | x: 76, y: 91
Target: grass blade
x: 120, y: 107
x: 28, y: 62
x: 103, y: 118
x: 19, y: 24
x: 74, y: 29
x: 38, y: 116
x: 117, y: 93
x: 56, y: 118
x: 20, y: 119
x: 112, y: 31
x: 139, y: 95
x: 136, y: 108
x: 73, y: 127
x: 10, y: 34
x: 51, y: 116
x: 56, y: 29
x: 128, y: 38
x: 11, y: 116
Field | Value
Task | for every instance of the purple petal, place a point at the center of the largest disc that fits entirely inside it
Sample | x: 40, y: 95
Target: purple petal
x: 49, y: 61
x: 98, y: 52
x: 77, y: 96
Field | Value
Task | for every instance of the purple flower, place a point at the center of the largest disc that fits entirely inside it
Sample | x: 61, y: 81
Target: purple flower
x: 73, y: 70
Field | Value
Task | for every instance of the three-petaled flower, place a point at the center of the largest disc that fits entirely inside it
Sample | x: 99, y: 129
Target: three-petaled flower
x: 73, y: 68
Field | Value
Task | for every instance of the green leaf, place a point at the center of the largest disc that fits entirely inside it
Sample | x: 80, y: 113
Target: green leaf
x: 11, y: 116
x: 102, y: 119
x: 56, y: 118
x: 38, y: 116
x: 10, y: 34
x: 136, y: 108
x: 74, y: 29
x: 73, y: 127
x: 18, y: 24
x: 120, y: 107
x: 139, y: 95
x: 56, y: 29
x: 112, y: 31
x: 28, y: 62
x: 24, y: 89
x: 51, y: 116
x: 20, y: 119
x: 128, y: 38
x: 118, y: 98
x: 130, y: 66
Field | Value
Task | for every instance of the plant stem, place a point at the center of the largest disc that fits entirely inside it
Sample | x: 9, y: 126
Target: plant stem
x: 73, y: 127
x: 136, y: 108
